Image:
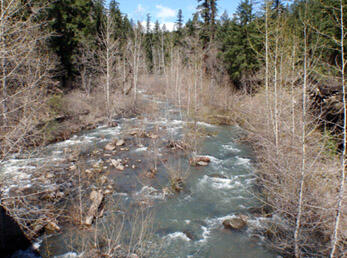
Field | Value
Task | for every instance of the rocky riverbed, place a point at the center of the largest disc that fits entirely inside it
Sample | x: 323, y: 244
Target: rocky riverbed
x: 185, y: 187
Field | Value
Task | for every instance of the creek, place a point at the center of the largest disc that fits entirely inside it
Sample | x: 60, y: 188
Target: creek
x: 184, y: 224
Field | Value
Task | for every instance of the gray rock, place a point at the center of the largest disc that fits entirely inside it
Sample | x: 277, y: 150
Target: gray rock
x: 237, y: 223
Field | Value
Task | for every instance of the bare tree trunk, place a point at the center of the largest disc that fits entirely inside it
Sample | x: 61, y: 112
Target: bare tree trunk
x: 108, y: 60
x: 303, y: 161
x: 108, y: 68
x: 276, y: 88
x: 136, y: 54
x: 292, y: 92
x: 3, y: 63
x: 267, y: 59
x: 343, y: 163
x: 124, y: 75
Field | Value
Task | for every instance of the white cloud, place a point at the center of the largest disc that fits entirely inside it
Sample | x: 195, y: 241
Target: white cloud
x: 144, y: 25
x: 165, y: 12
x: 170, y: 26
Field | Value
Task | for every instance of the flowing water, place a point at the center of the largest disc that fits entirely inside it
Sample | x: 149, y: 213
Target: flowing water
x: 187, y: 224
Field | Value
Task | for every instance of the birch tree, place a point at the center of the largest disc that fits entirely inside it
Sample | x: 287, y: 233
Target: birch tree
x: 108, y: 57
x: 135, y: 51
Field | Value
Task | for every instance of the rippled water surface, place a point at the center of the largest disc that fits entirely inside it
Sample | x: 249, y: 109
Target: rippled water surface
x: 188, y: 224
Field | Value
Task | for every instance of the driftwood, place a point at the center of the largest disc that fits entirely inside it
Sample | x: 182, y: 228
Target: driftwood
x: 96, y: 197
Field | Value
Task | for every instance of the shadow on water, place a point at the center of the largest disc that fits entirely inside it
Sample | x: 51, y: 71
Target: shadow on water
x: 13, y: 242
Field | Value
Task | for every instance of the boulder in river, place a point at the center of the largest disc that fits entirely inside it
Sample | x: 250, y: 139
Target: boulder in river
x: 110, y: 147
x: 117, y: 164
x: 237, y: 223
x: 119, y: 142
x: 96, y: 197
x: 112, y: 124
x: 190, y: 235
x: 199, y: 161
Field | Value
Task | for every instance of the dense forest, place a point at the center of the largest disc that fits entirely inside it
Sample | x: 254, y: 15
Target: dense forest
x: 275, y: 68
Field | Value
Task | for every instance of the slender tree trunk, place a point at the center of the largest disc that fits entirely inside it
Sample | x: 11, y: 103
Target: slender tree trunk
x: 292, y: 92
x: 303, y: 161
x: 124, y: 75
x: 334, y: 241
x: 3, y: 64
x: 267, y: 60
x: 276, y: 89
x: 108, y: 78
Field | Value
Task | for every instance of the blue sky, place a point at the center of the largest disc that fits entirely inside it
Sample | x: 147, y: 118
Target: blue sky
x: 166, y: 10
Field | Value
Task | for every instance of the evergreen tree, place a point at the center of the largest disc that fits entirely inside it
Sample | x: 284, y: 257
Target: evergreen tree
x: 71, y: 24
x: 213, y: 14
x: 179, y: 21
x: 117, y: 18
x: 237, y: 54
x: 224, y: 18
x: 192, y: 24
x: 208, y: 12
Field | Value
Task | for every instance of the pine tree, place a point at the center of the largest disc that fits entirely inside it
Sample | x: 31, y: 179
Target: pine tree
x: 213, y: 14
x: 71, y: 23
x: 179, y: 21
x: 237, y: 53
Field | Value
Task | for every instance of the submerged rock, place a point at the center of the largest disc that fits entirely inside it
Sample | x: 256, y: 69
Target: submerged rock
x: 236, y: 223
x: 217, y: 176
x: 190, y: 235
x: 202, y: 163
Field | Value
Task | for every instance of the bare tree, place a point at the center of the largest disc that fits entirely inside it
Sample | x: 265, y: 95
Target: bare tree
x: 25, y: 71
x: 342, y: 179
x: 108, y: 57
x: 303, y: 150
x: 135, y: 53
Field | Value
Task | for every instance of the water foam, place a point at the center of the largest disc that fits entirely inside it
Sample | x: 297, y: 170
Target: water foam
x: 178, y: 235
